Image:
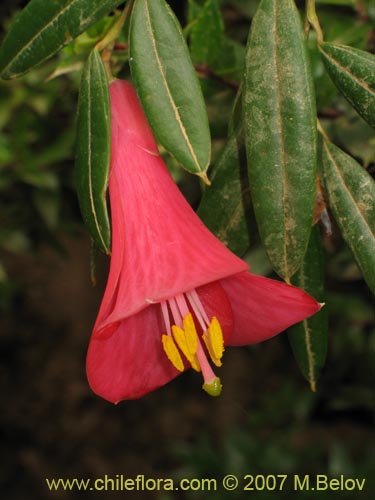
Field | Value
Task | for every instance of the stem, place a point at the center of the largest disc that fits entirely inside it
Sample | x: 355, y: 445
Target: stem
x: 313, y: 19
x: 206, y: 72
x: 106, y: 58
x: 188, y: 28
x: 107, y: 43
x: 115, y: 30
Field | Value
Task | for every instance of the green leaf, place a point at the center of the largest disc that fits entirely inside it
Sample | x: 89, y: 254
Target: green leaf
x: 353, y: 73
x: 225, y: 205
x: 73, y: 56
x: 309, y: 337
x: 280, y: 129
x: 207, y: 34
x: 167, y: 85
x: 43, y: 27
x: 351, y: 196
x: 193, y: 9
x: 247, y: 8
x: 211, y: 50
x: 230, y: 64
x: 93, y: 150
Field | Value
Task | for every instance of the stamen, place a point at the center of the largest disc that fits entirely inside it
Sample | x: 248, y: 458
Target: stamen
x: 213, y: 338
x: 182, y: 305
x: 216, y: 337
x: 190, y: 333
x: 182, y: 336
x: 172, y: 353
x: 175, y: 312
x: 210, y: 350
x: 181, y: 340
x: 195, y: 301
x: 197, y: 312
x: 164, y: 309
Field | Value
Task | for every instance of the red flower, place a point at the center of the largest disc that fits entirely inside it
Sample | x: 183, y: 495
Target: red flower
x: 175, y: 294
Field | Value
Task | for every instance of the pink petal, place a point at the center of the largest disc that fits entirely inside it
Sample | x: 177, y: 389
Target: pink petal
x: 160, y: 247
x: 216, y: 303
x: 263, y: 307
x: 131, y: 362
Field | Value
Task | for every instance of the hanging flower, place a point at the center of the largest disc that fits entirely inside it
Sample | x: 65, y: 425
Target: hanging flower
x: 175, y: 294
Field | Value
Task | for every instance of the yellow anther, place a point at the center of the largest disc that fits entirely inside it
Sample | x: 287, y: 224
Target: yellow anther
x: 207, y: 341
x: 172, y: 353
x: 190, y: 333
x: 213, y: 388
x: 181, y: 340
x: 213, y: 338
x: 216, y: 338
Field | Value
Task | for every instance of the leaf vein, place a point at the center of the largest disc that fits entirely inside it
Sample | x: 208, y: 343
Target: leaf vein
x: 89, y: 161
x: 350, y: 195
x: 46, y: 26
x: 310, y: 355
x: 350, y: 75
x: 281, y: 141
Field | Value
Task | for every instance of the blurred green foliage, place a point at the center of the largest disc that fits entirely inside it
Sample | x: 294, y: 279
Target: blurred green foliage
x: 36, y: 152
x: 37, y: 138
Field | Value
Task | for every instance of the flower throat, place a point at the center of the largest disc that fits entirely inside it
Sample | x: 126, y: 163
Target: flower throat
x: 182, y: 337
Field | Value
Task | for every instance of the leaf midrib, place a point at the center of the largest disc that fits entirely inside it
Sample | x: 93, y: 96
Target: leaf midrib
x: 30, y: 42
x: 281, y: 141
x: 349, y: 74
x: 308, y: 344
x: 349, y: 193
x: 89, y: 161
x: 44, y: 28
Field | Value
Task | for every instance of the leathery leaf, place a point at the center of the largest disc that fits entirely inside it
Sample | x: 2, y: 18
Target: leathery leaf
x: 309, y: 337
x: 225, y: 205
x: 93, y: 150
x: 280, y: 128
x: 168, y: 86
x: 353, y: 72
x: 351, y: 197
x: 45, y: 26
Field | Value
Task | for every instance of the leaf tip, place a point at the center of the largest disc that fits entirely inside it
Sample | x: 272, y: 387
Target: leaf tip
x: 204, y: 178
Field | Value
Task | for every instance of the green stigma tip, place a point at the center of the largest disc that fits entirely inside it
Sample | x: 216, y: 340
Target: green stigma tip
x: 214, y: 387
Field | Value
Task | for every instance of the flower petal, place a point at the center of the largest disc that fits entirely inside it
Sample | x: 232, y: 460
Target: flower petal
x: 263, y: 307
x: 131, y: 362
x: 216, y: 303
x: 160, y: 246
